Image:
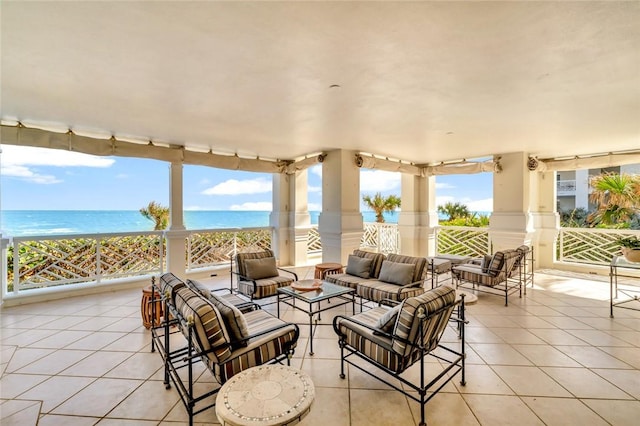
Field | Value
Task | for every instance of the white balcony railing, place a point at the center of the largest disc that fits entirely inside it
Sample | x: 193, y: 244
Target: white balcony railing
x: 591, y: 246
x: 566, y: 187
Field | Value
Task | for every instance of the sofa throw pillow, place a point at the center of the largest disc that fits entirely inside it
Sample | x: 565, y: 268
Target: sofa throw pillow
x: 233, y: 319
x: 387, y: 322
x: 261, y: 268
x: 396, y: 273
x: 198, y: 287
x: 359, y: 266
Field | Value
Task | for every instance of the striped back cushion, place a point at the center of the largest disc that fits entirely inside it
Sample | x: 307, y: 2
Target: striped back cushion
x: 420, y: 263
x: 408, y: 323
x: 512, y: 259
x: 241, y: 257
x: 209, y: 331
x: 376, y: 263
x: 169, y: 285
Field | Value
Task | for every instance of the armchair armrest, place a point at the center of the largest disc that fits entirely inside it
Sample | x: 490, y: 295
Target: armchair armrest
x: 295, y: 276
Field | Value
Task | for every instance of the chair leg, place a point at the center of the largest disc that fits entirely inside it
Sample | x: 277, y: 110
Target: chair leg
x: 341, y: 344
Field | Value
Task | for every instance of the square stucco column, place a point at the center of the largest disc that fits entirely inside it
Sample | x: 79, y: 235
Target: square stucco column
x: 340, y: 223
x: 546, y: 220
x: 290, y: 218
x: 418, y: 215
x: 176, y: 235
x: 511, y: 223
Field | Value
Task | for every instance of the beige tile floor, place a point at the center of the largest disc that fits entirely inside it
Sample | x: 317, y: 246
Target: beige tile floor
x: 553, y: 357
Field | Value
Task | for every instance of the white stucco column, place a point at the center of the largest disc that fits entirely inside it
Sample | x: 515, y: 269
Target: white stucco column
x: 546, y: 220
x: 418, y: 215
x: 340, y: 223
x: 511, y: 223
x: 176, y: 234
x: 290, y: 218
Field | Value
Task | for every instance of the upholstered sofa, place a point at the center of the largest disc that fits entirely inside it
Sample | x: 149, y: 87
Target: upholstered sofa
x: 375, y: 276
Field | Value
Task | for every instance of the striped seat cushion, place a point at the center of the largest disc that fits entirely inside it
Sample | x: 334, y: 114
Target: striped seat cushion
x: 409, y: 323
x: 374, y: 346
x: 345, y: 280
x: 377, y: 290
x: 260, y: 349
x: 209, y: 331
x: 265, y: 287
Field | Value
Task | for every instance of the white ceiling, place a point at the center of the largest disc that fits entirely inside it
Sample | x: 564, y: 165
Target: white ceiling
x: 424, y: 82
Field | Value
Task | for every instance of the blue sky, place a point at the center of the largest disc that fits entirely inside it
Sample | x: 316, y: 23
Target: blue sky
x: 44, y: 179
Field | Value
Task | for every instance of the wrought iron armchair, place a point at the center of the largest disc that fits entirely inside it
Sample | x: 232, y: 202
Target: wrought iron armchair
x: 395, y: 338
x: 258, y: 276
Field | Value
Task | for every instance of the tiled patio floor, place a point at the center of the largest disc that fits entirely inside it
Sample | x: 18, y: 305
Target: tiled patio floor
x: 553, y: 357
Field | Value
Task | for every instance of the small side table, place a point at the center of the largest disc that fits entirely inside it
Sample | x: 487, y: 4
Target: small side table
x: 268, y: 395
x: 322, y: 269
x: 147, y: 310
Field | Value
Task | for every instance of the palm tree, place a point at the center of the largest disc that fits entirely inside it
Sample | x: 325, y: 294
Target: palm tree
x: 157, y: 213
x: 380, y: 204
x: 617, y: 197
x: 454, y: 210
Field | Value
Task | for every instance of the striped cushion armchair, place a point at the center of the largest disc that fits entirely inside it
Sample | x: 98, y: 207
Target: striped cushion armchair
x: 394, y: 338
x: 258, y: 276
x: 497, y: 274
x: 225, y: 339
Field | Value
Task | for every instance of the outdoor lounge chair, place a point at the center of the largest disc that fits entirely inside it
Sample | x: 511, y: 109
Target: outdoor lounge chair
x: 395, y: 338
x: 497, y: 274
x: 226, y: 340
x: 258, y: 276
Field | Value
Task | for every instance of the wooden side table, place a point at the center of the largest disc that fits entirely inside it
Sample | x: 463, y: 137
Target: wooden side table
x: 268, y: 395
x: 147, y: 310
x: 322, y: 269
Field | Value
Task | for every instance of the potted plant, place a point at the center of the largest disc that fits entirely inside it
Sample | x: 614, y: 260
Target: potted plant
x: 630, y: 248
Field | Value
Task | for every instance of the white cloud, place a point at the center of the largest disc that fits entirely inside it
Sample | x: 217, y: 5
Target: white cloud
x: 260, y: 205
x: 379, y: 181
x: 314, y: 207
x: 27, y: 155
x: 239, y: 187
x: 444, y: 185
x: 316, y: 170
x: 314, y: 188
x: 485, y: 205
x: 14, y: 161
x: 24, y: 173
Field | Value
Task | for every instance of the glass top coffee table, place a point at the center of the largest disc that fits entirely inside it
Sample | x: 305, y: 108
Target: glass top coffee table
x: 621, y: 268
x: 311, y: 301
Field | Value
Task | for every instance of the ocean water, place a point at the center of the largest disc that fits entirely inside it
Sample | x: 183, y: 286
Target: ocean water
x: 21, y: 223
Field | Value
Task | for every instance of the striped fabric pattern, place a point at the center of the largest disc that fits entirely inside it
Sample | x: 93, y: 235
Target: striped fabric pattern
x: 208, y: 326
x: 261, y: 349
x: 474, y: 274
x: 233, y: 319
x: 420, y: 262
x: 408, y: 324
x: 377, y: 259
x: 265, y: 287
x: 169, y: 285
x: 345, y: 280
x: 376, y: 347
x: 377, y: 290
x: 241, y: 257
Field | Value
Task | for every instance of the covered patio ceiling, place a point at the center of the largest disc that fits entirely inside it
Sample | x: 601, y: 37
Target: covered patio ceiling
x: 424, y: 82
